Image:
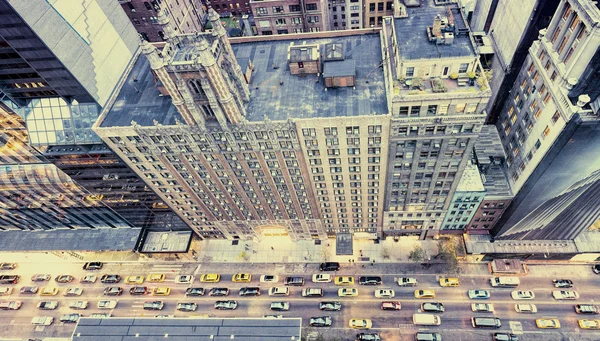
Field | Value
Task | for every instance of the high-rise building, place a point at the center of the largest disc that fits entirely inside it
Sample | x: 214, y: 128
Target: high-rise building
x: 289, y: 16
x: 58, y: 79
x: 148, y: 17
x: 227, y: 8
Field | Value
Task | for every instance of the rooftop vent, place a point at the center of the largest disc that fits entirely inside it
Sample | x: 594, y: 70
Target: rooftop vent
x: 443, y: 30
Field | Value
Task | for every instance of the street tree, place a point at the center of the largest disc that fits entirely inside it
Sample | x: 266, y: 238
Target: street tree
x: 418, y: 254
x: 447, y: 252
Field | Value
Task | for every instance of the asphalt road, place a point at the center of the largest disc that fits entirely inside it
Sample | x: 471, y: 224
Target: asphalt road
x: 392, y: 325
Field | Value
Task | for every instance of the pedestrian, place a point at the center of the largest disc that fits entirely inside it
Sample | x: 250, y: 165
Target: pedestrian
x: 327, y: 244
x: 372, y: 262
x: 352, y: 260
x: 272, y: 248
x: 349, y: 260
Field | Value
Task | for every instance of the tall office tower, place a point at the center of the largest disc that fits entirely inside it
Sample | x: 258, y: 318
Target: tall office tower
x: 58, y: 79
x: 345, y: 14
x: 36, y: 195
x: 148, y: 17
x: 437, y: 93
x: 539, y: 108
x: 511, y: 26
x: 289, y: 16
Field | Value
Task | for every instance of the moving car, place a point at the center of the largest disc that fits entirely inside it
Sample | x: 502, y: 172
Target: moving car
x: 218, y: 292
x: 407, y: 282
x: 329, y: 266
x: 188, y: 306
x: 269, y: 278
x: 369, y: 280
x: 425, y: 293
x: 69, y: 318
x: 88, y: 279
x: 344, y: 280
x: 279, y: 291
x: 134, y: 279
x: 225, y: 305
x: 49, y: 291
x: 93, y: 266
x: 360, y: 323
x: 505, y: 337
x: 8, y: 266
x: 320, y: 321
x: 138, y: 290
x: 586, y: 309
x: 368, y: 337
x: 312, y: 292
x: 40, y: 277
x: 482, y: 307
x: 113, y: 291
x: 64, y: 279
x: 426, y: 319
x: 42, y: 320
x: 47, y: 305
x: 395, y: 305
x: 562, y: 283
x: 10, y: 305
x: 522, y: 295
x: 526, y: 308
x: 29, y: 290
x: 384, y: 293
x: 589, y: 324
x: 154, y: 305
x: 9, y: 279
x: 73, y: 292
x: 547, y: 323
x: 449, y: 282
x: 330, y: 306
x: 194, y: 292
x: 478, y: 294
x: 250, y: 291
x: 111, y: 279
x: 321, y: 278
x: 210, y: 278
x: 596, y: 268
x: 347, y: 292
x: 565, y: 295
x: 241, y: 278
x: 156, y: 278
x: 279, y: 306
x: 184, y: 279
x: 107, y: 304
x: 78, y: 305
x: 162, y: 291
x: 101, y: 315
x: 433, y: 307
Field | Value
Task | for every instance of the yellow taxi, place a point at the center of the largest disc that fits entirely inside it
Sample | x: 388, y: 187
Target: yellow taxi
x: 547, y: 323
x: 347, y: 292
x: 425, y: 293
x: 344, y: 280
x: 210, y: 278
x: 241, y: 278
x: 48, y: 291
x: 162, y: 291
x: 134, y: 279
x: 589, y: 324
x: 155, y: 278
x: 360, y: 323
x: 449, y: 282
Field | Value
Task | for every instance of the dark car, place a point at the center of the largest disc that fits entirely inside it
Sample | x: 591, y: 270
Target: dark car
x: 250, y: 291
x: 368, y: 337
x: 93, y: 266
x: 69, y: 318
x: 330, y: 306
x: 596, y: 268
x: 138, y: 291
x: 110, y: 279
x: 320, y: 321
x: 369, y: 280
x: 113, y: 291
x: 194, y: 292
x: 433, y: 307
x: 8, y: 266
x: 218, y: 292
x: 64, y: 279
x: 562, y: 283
x: 9, y: 279
x: 505, y: 337
x: 329, y: 266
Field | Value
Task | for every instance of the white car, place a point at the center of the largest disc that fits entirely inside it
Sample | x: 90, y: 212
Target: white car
x: 526, y: 308
x: 482, y: 307
x: 88, y: 279
x: 565, y: 295
x: 321, y: 278
x: 522, y: 295
x: 279, y: 291
x: 73, y: 292
x: 78, y: 304
x: 384, y: 293
x: 107, y: 304
x: 42, y: 320
x: 269, y: 278
x: 184, y: 279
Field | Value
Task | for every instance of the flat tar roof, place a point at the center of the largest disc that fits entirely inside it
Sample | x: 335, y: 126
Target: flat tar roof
x: 185, y: 329
x: 109, y: 239
x: 411, y: 33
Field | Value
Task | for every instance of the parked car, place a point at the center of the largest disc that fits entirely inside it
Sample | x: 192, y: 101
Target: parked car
x: 562, y: 283
x: 9, y: 279
x: 279, y: 291
x: 29, y: 290
x: 49, y: 291
x: 69, y: 318
x: 5, y: 291
x: 42, y: 320
x: 330, y: 306
x: 589, y: 324
x: 368, y: 337
x: 505, y: 337
x: 369, y: 280
x: 344, y: 280
x: 156, y: 278
x: 210, y: 278
x: 320, y: 321
x: 10, y: 305
x: 194, y: 292
x: 596, y: 268
x: 93, y: 266
x: 8, y: 266
x: 162, y: 291
x: 425, y: 293
x: 225, y: 305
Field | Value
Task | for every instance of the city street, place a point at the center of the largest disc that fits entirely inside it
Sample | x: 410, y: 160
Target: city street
x: 392, y: 325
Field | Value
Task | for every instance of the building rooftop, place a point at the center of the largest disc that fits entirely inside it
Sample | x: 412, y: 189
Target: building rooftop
x: 480, y: 245
x: 490, y: 158
x: 411, y: 33
x: 276, y: 93
x: 470, y: 180
x: 186, y: 329
x: 139, y: 100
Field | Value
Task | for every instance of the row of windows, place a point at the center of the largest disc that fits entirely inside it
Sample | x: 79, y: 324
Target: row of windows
x: 433, y: 110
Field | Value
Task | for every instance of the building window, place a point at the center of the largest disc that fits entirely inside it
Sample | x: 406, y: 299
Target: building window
x: 432, y: 110
x: 410, y: 71
x: 547, y: 98
x: 568, y: 56
x: 415, y: 111
x: 555, y: 35
x: 574, y: 23
x: 553, y: 77
x: 148, y: 6
x: 389, y: 6
x: 261, y: 10
x: 403, y: 112
x: 463, y: 68
x: 555, y: 117
x: 372, y: 8
x: 563, y: 42
x: 297, y: 21
x: 380, y: 6
x: 277, y: 9
x: 294, y: 8
x: 566, y: 11
x: 546, y: 131
x: 461, y: 107
x: 312, y: 20
x: 311, y: 7
x: 581, y: 32
x: 280, y: 21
